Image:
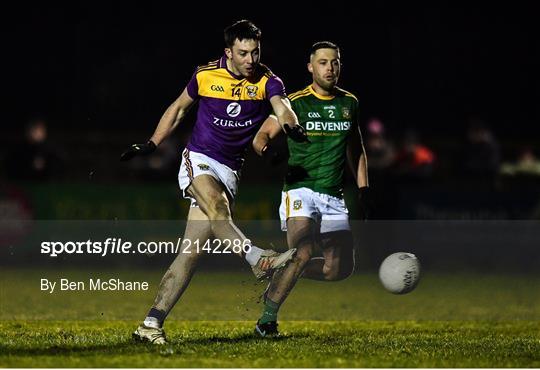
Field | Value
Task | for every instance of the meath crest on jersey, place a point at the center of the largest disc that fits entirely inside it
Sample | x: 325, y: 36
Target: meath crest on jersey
x: 346, y: 112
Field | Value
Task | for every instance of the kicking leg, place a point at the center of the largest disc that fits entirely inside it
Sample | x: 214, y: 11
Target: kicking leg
x: 212, y: 198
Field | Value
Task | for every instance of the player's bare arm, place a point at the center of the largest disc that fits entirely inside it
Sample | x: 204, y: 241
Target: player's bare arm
x: 269, y: 130
x: 362, y: 177
x: 262, y: 145
x: 356, y: 156
x: 283, y: 111
x: 168, y: 122
x: 287, y: 118
x: 174, y: 114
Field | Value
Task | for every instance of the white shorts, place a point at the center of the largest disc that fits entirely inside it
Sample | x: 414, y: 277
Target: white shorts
x: 195, y: 164
x: 328, y: 211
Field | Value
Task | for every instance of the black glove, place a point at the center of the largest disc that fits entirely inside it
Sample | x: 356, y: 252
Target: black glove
x: 296, y: 133
x: 272, y: 156
x: 138, y: 149
x: 365, y: 204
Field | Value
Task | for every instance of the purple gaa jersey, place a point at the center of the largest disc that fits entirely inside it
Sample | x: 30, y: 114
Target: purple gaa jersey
x: 231, y: 110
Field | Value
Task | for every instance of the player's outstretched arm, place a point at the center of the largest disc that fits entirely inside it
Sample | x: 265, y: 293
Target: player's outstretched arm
x: 287, y: 118
x: 168, y: 122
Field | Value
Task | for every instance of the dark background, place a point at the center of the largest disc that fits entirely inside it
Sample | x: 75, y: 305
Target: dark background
x: 101, y: 76
x: 426, y: 66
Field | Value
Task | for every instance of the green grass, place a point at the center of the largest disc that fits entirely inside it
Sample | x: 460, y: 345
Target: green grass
x: 465, y: 320
x: 305, y: 344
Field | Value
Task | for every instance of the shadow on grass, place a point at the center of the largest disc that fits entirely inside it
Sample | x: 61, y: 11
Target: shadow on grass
x: 61, y: 350
x: 243, y: 338
x: 127, y: 346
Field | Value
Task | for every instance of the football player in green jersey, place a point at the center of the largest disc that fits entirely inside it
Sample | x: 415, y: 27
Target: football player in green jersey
x: 312, y: 209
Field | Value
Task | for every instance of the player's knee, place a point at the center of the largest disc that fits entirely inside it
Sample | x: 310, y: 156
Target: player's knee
x: 219, y: 210
x: 331, y: 272
x: 303, y: 242
x: 335, y: 275
x: 338, y: 271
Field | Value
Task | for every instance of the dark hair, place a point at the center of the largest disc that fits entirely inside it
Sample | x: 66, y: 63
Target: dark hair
x: 323, y: 45
x: 241, y: 30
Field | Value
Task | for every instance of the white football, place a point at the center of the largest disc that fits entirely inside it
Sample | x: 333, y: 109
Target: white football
x: 399, y: 272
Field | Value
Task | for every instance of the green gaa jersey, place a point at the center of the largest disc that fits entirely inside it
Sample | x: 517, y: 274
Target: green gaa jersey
x: 320, y: 164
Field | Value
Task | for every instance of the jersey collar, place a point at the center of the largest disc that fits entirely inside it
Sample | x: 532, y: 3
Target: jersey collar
x: 319, y: 96
x: 223, y: 64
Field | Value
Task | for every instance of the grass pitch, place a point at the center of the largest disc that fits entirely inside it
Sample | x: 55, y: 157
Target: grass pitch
x: 465, y: 320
